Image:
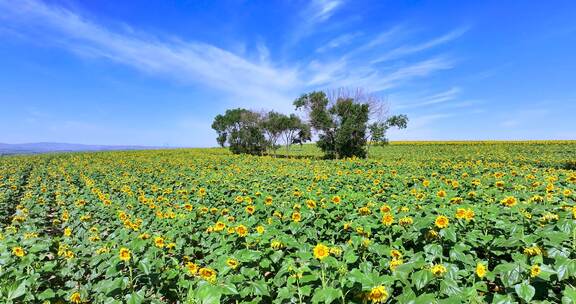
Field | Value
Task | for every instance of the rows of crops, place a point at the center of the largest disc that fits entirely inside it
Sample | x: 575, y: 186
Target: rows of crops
x: 469, y: 222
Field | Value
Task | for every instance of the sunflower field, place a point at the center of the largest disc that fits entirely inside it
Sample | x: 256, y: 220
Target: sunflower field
x: 460, y: 222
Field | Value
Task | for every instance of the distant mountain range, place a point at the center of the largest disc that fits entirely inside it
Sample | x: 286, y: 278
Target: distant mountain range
x: 47, y: 147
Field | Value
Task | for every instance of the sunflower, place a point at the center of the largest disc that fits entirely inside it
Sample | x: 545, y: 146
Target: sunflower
x: 509, y: 201
x: 469, y: 215
x: 395, y: 263
x: 385, y: 208
x: 441, y: 221
x: 336, y: 199
x: 219, y: 226
x: 159, y: 242
x: 67, y: 232
x: 208, y: 274
x: 387, y: 219
x: 460, y: 213
x: 395, y: 254
x: 535, y: 271
x: 378, y: 294
x: 406, y: 221
x: 232, y: 263
x: 481, y: 270
x: 260, y: 229
x: 124, y: 254
x: 311, y: 204
x: 241, y: 230
x: 268, y: 201
x: 250, y: 209
x: 192, y: 268
x: 441, y: 193
x: 321, y: 251
x: 296, y: 216
x: 76, y: 298
x: 438, y: 270
x: 18, y: 251
x: 275, y: 244
x: 364, y: 210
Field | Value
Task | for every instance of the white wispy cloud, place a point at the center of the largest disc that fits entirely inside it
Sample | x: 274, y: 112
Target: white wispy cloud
x: 442, y: 97
x: 412, y: 49
x: 256, y: 79
x: 339, y: 41
x: 322, y: 10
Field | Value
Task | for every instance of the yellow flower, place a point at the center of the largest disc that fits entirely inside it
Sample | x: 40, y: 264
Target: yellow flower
x: 469, y: 215
x: 533, y: 251
x: 387, y: 219
x: 396, y: 254
x: 192, y: 268
x: 406, y: 221
x: 260, y: 229
x: 321, y: 251
x: 460, y: 213
x: 378, y: 294
x: 232, y: 263
x: 18, y: 251
x: 535, y: 271
x: 385, y: 209
x: 441, y: 221
x: 395, y: 263
x: 481, y: 270
x: 207, y: 274
x: 67, y: 232
x: 441, y: 193
x: 124, y: 254
x: 438, y: 270
x: 509, y: 201
x: 364, y: 210
x: 76, y: 298
x: 241, y: 230
x: 159, y: 242
x: 336, y: 199
x: 219, y: 226
x: 296, y: 217
x: 275, y: 244
x: 311, y: 204
x: 499, y: 184
x: 250, y: 209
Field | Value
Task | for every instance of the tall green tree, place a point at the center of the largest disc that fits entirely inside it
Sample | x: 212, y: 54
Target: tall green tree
x: 378, y: 129
x: 341, y: 121
x: 273, y: 125
x: 241, y: 130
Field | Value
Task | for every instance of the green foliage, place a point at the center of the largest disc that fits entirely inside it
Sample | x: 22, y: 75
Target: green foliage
x: 241, y: 130
x: 248, y: 132
x: 342, y: 126
x: 125, y: 200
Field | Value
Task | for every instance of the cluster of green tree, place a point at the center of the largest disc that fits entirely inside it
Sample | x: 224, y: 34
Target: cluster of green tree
x: 249, y: 132
x: 346, y: 125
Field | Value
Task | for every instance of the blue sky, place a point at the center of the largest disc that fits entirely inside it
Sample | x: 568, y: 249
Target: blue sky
x: 156, y: 72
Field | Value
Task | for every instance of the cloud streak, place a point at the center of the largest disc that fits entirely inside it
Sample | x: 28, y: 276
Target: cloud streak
x: 260, y: 82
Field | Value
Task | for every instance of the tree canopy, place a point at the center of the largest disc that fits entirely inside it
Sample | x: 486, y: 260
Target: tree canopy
x: 346, y: 124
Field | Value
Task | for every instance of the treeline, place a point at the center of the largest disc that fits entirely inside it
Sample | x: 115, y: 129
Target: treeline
x: 346, y: 123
